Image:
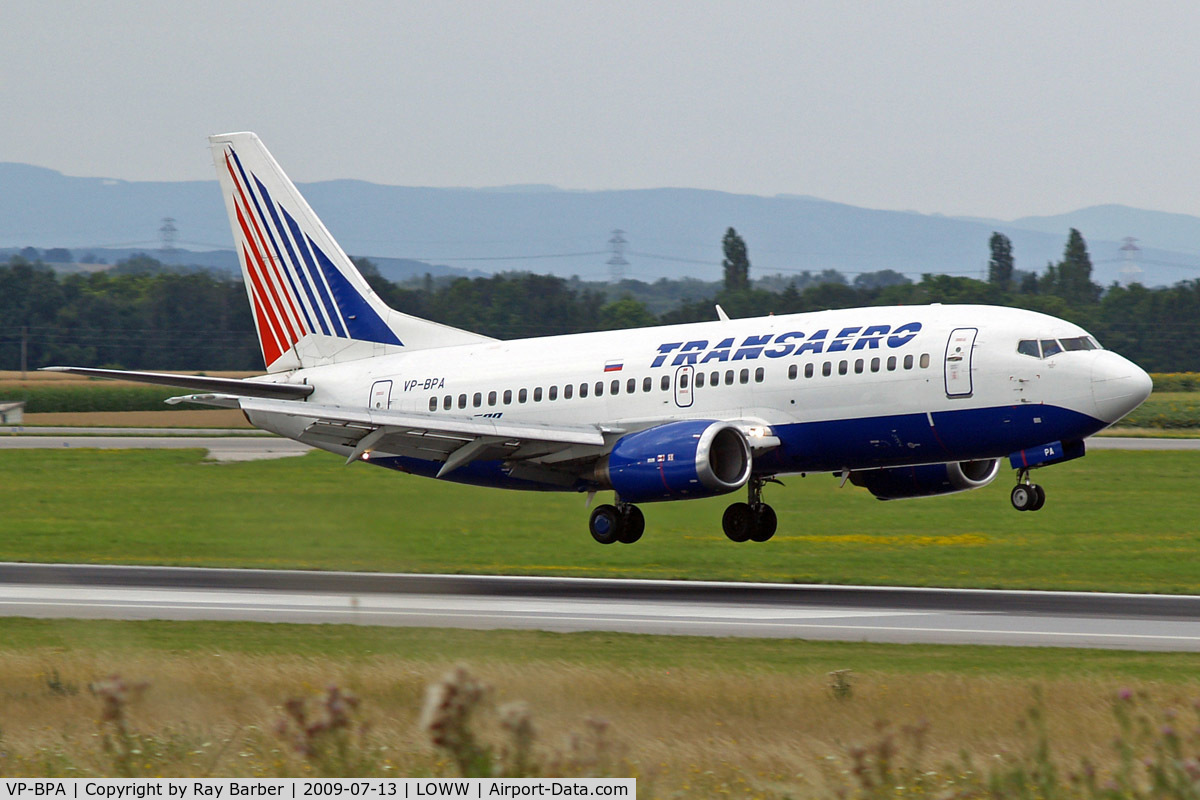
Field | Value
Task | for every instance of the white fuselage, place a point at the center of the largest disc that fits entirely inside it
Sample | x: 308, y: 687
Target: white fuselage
x: 843, y: 389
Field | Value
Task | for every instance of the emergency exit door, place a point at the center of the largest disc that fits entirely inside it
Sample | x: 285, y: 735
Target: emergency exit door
x: 959, y: 348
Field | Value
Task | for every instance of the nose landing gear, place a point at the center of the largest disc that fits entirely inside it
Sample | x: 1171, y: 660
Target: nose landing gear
x: 1027, y: 496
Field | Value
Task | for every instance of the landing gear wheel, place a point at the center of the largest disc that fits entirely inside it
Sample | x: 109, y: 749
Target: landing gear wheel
x: 738, y: 522
x: 633, y: 524
x: 1040, y: 500
x: 1025, y: 495
x: 765, y: 522
x: 605, y: 524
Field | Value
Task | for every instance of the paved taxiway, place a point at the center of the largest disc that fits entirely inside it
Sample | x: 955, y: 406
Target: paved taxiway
x: 220, y: 448
x: 1141, y: 622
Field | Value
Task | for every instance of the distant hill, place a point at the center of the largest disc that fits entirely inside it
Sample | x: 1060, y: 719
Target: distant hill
x: 671, y: 232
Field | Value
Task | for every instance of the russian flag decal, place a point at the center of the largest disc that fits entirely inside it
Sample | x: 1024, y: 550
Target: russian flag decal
x: 614, y: 365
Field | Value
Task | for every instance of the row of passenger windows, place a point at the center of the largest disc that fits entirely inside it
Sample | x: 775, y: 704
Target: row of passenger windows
x: 1048, y: 347
x: 860, y: 366
x: 630, y: 385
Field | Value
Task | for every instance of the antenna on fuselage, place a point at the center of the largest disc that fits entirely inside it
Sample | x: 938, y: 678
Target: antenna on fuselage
x: 721, y: 314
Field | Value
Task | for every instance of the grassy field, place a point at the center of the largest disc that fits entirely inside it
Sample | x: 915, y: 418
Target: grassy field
x: 689, y: 717
x: 1116, y: 521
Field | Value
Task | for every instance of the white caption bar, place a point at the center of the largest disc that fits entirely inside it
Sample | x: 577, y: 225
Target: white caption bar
x: 303, y: 789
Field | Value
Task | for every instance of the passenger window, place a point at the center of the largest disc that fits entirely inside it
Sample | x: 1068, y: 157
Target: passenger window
x: 714, y: 379
x: 759, y: 374
x: 1029, y: 347
x: 908, y: 362
x: 842, y: 367
x: 631, y: 386
x: 808, y: 370
x: 462, y: 401
x: 477, y: 400
x: 433, y: 404
x: 491, y: 398
x: 699, y: 379
x: 507, y: 396
x: 729, y: 377
x: 647, y: 384
x: 874, y: 365
x: 858, y: 366
x: 924, y: 360
x: 553, y: 393
x: 583, y: 387
x: 568, y: 391
x: 537, y: 395
x: 1050, y: 347
x: 665, y: 383
x: 683, y: 380
x: 522, y: 395
x: 891, y: 363
x: 599, y: 388
x: 827, y: 369
x: 744, y: 376
x: 446, y: 403
x: 614, y: 387
x: 792, y: 372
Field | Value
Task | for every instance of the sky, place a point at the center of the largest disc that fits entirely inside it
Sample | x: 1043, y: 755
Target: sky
x: 967, y: 107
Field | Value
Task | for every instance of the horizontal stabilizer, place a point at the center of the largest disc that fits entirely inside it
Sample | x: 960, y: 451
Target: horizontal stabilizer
x: 200, y: 383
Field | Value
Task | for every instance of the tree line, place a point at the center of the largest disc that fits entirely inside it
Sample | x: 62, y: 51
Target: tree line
x: 142, y: 315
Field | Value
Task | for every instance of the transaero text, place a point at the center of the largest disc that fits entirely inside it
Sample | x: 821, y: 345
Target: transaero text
x: 792, y: 343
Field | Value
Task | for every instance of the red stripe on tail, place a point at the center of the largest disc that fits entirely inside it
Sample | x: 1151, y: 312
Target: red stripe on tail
x: 262, y: 242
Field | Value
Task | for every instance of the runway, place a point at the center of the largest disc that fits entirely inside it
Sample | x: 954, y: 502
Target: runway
x: 851, y: 613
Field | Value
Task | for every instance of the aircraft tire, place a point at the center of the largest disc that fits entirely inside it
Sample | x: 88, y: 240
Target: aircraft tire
x: 738, y: 522
x: 1039, y: 497
x: 765, y: 522
x: 605, y: 524
x: 633, y: 524
x: 1023, y: 496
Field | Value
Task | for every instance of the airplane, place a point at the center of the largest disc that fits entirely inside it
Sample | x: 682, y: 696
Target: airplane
x: 906, y: 402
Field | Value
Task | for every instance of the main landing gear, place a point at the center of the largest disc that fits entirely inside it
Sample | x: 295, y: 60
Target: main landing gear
x: 754, y: 521
x: 620, y: 523
x: 1027, y: 496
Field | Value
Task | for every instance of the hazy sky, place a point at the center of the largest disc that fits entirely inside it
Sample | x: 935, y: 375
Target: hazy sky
x: 973, y: 107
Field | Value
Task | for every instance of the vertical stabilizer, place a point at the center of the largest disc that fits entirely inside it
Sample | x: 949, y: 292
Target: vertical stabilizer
x: 311, y: 305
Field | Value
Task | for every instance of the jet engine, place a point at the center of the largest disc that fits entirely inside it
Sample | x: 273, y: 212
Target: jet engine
x: 689, y: 458
x: 898, y: 483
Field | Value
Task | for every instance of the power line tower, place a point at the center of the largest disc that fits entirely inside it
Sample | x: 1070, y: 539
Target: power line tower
x: 617, y: 263
x: 168, y: 235
x: 1130, y: 253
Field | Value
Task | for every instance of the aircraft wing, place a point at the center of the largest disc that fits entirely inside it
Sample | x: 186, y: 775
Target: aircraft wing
x: 452, y: 440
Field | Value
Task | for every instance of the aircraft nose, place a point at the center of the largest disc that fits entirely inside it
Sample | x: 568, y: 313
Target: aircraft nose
x: 1118, y: 386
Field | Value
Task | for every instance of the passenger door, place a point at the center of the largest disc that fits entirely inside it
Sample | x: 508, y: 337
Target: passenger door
x: 381, y: 395
x: 959, y: 349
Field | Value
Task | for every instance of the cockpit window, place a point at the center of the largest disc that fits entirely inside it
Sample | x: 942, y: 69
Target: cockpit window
x: 1078, y: 343
x: 1048, y: 347
x: 1029, y: 347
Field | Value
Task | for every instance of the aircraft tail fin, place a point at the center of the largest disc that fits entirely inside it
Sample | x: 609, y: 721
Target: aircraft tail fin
x: 311, y: 305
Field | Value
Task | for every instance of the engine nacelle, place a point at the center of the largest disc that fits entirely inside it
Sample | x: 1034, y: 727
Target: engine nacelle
x: 899, y: 483
x: 689, y: 458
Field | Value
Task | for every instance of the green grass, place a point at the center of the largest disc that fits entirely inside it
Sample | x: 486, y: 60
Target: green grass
x: 1167, y: 411
x: 1114, y: 521
x: 98, y: 395
x: 348, y: 643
